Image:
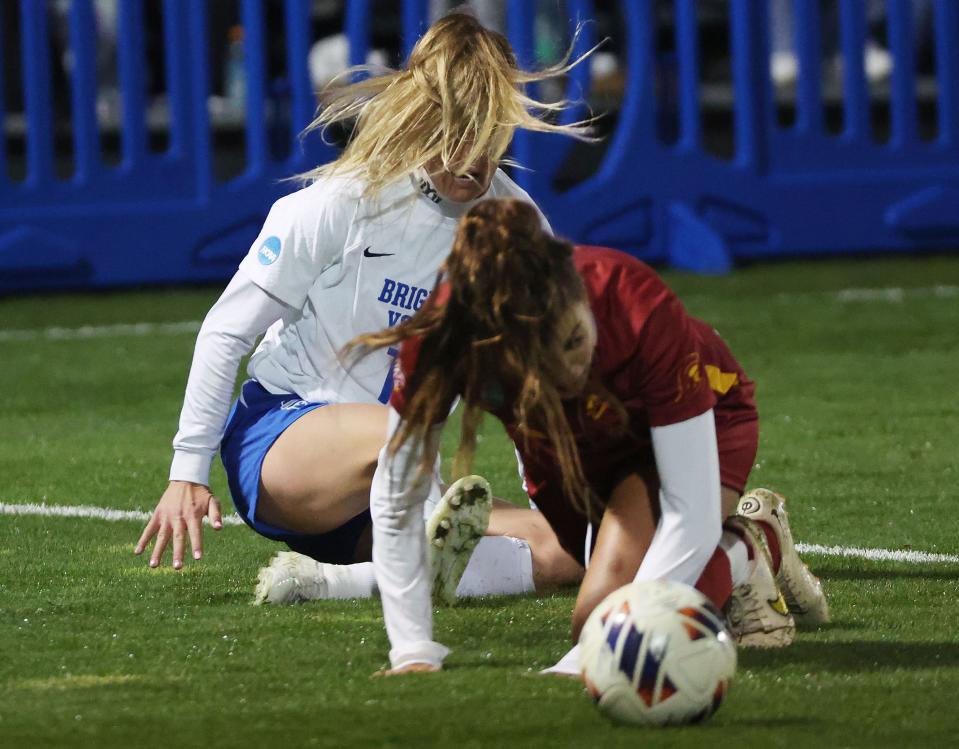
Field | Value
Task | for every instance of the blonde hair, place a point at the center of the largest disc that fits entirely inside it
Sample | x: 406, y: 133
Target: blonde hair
x: 460, y: 98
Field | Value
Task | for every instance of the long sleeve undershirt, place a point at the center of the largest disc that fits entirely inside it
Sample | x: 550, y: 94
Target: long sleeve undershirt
x: 239, y: 317
x: 690, y: 524
x: 399, y: 549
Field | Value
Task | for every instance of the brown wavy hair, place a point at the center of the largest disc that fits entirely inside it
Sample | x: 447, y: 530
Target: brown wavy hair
x: 493, y: 340
x: 461, y: 97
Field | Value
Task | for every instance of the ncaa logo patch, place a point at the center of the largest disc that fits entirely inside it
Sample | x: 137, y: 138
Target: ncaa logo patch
x: 269, y: 251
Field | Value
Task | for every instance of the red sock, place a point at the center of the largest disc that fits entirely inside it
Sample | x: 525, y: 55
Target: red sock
x: 716, y: 582
x: 772, y: 540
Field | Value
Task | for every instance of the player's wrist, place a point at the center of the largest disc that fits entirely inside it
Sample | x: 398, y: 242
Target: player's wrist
x: 184, y: 482
x: 191, y: 467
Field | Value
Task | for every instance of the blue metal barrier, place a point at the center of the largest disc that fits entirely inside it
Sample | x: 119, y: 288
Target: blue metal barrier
x: 164, y: 218
x: 786, y: 191
x: 155, y: 217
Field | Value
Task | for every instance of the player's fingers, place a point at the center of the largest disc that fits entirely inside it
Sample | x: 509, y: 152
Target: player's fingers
x: 213, y: 513
x: 195, y: 529
x: 179, y: 539
x: 163, y: 538
x: 148, y: 533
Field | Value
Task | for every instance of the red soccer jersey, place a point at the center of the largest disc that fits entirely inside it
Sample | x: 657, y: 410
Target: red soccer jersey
x: 662, y: 365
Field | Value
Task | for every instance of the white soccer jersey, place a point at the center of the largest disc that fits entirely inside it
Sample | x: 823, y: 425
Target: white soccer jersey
x: 342, y: 264
x: 352, y: 265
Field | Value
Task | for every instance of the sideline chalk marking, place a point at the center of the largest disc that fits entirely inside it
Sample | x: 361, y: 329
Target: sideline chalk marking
x: 878, y: 555
x: 102, y: 513
x: 891, y: 295
x: 85, y: 332
x: 88, y: 511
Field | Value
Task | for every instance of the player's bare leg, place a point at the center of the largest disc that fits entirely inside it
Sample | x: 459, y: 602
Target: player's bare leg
x: 520, y: 554
x: 553, y: 566
x: 624, y: 537
x: 317, y: 475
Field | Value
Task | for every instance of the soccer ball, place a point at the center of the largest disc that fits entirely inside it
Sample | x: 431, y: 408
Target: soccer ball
x: 657, y: 653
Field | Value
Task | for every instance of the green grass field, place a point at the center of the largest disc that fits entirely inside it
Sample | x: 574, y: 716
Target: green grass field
x: 860, y: 427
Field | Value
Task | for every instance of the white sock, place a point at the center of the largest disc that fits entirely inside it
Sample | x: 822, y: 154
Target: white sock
x: 349, y: 580
x: 500, y: 566
x: 738, y: 555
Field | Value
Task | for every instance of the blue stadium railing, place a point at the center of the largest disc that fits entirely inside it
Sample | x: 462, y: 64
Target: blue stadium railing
x: 154, y: 217
x: 164, y: 217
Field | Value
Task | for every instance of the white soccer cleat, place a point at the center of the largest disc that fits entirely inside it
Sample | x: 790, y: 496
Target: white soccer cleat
x: 757, y: 613
x: 801, y: 588
x: 452, y: 532
x: 290, y: 578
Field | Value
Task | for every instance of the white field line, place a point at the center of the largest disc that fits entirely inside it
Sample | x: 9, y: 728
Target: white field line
x: 878, y: 555
x: 885, y: 295
x: 102, y: 513
x: 88, y: 511
x: 895, y: 295
x: 120, y: 330
x: 889, y: 295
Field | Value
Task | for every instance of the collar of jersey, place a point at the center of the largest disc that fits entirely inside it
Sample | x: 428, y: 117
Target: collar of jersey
x: 448, y: 208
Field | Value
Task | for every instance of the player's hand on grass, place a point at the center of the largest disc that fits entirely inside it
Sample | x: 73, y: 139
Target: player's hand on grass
x: 178, y: 515
x: 412, y: 668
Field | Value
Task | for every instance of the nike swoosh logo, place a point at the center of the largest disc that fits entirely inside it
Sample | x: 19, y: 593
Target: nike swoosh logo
x: 367, y: 253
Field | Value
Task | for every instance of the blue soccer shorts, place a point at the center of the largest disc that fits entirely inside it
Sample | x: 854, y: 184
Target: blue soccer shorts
x: 257, y: 420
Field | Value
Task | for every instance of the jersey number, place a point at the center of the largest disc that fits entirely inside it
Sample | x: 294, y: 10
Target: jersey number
x: 388, y: 382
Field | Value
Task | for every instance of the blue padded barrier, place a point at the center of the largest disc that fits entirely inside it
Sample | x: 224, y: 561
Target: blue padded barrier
x: 154, y: 218
x: 786, y: 190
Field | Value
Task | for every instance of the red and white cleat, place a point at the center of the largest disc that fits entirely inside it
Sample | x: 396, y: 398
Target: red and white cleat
x: 801, y: 588
x: 757, y: 613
